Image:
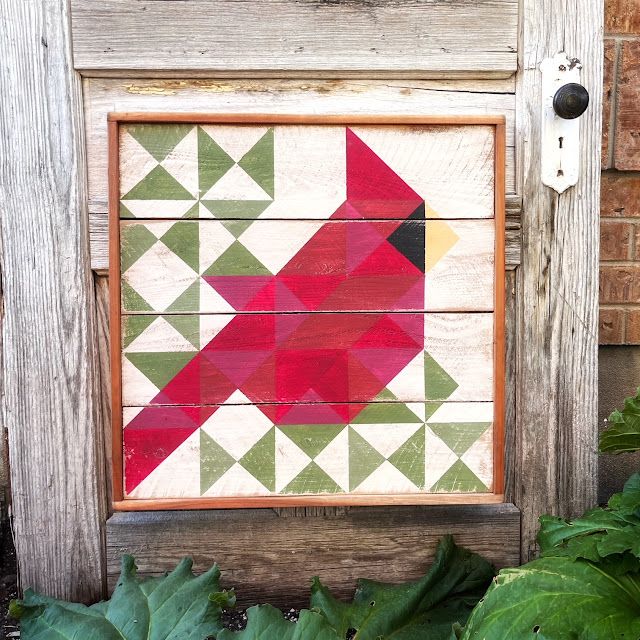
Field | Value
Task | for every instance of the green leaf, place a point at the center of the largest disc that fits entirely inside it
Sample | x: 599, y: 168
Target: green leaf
x: 426, y: 608
x: 623, y: 433
x: 172, y: 607
x: 558, y: 599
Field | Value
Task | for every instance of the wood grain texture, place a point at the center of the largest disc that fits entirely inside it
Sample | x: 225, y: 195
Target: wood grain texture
x: 400, y: 38
x: 556, y: 422
x: 51, y: 397
x: 270, y: 557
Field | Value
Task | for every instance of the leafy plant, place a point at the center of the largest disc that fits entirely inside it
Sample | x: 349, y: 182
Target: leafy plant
x: 623, y: 432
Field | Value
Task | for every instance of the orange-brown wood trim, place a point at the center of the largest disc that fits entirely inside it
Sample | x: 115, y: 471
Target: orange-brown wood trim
x: 122, y: 504
x: 115, y: 311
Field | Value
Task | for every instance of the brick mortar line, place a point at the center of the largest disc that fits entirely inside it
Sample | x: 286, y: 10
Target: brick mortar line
x: 613, y: 218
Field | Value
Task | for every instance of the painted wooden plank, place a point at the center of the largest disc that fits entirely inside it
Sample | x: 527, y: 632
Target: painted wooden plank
x: 335, y: 357
x: 288, y: 97
x: 269, y: 265
x: 50, y: 386
x: 234, y: 451
x: 556, y: 423
x: 248, y: 545
x: 414, y: 38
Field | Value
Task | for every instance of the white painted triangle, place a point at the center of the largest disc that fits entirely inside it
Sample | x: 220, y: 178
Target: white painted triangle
x: 214, y: 240
x: 479, y: 457
x: 159, y: 228
x: 418, y: 409
x: 176, y: 477
x: 129, y: 413
x: 275, y: 243
x: 160, y: 336
x: 136, y: 387
x: 236, y: 184
x: 463, y: 412
x: 237, y: 397
x: 290, y: 460
x: 159, y: 208
x: 236, y: 428
x: 235, y: 140
x: 438, y: 458
x: 386, y: 479
x: 135, y: 162
x: 237, y: 482
x: 182, y: 162
x: 409, y: 383
x: 334, y: 459
x: 211, y: 325
x: 386, y: 438
x: 203, y: 212
x: 211, y: 301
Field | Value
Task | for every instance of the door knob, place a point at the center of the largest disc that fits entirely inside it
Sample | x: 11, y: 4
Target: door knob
x: 570, y: 101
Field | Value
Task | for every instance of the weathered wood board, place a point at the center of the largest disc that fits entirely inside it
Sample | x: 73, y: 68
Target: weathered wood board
x: 408, y: 38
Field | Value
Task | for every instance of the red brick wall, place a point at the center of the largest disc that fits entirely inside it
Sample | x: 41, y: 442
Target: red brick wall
x: 620, y: 202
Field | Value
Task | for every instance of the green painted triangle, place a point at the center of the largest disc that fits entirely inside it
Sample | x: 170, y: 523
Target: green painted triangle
x: 242, y: 209
x: 260, y: 460
x: 459, y: 479
x: 135, y: 241
x: 158, y: 184
x: 214, y: 461
x: 237, y: 227
x: 386, y: 413
x: 237, y: 260
x: 314, y: 480
x: 363, y: 459
x: 183, y: 238
x: 159, y: 139
x: 459, y: 436
x: 438, y: 384
x: 194, y: 212
x: 160, y: 368
x: 312, y: 438
x: 124, y: 212
x: 133, y: 326
x: 132, y: 300
x: 187, y: 326
x: 189, y: 300
x: 385, y: 395
x: 410, y: 458
x: 213, y: 161
x: 430, y: 408
x: 258, y: 162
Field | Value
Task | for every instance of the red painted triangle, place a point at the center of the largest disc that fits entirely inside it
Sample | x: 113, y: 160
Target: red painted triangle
x: 239, y: 291
x: 311, y: 290
x: 386, y: 259
x: 387, y: 334
x: 325, y: 252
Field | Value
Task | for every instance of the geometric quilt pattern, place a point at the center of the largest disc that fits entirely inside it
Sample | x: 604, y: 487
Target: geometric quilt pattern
x: 296, y: 317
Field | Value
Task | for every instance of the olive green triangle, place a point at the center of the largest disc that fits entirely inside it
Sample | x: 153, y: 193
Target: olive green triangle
x: 187, y: 326
x: 241, y: 209
x: 459, y: 479
x: 258, y: 162
x: 135, y: 241
x: 183, y: 238
x: 214, y: 461
x: 430, y: 408
x: 158, y: 184
x: 386, y: 395
x: 312, y: 479
x: 124, y: 212
x: 438, y: 384
x: 386, y: 413
x: 194, y: 212
x: 237, y: 260
x: 213, y: 161
x: 363, y: 459
x: 160, y: 368
x: 133, y: 326
x: 459, y: 436
x: 189, y: 300
x: 260, y: 460
x: 410, y: 458
x: 132, y: 300
x: 312, y: 438
x: 237, y: 227
x: 159, y: 139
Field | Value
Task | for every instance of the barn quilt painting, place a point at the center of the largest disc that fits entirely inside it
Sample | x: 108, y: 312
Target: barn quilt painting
x: 306, y: 310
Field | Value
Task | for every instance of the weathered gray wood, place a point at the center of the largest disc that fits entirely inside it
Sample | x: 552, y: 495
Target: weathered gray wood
x: 236, y: 38
x: 50, y: 400
x: 266, y: 556
x: 556, y: 423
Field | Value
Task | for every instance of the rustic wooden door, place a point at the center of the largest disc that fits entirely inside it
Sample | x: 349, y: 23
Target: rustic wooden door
x: 70, y: 64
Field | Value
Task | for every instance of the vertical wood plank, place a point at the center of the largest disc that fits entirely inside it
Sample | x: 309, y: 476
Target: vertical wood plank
x: 558, y: 307
x: 51, y: 397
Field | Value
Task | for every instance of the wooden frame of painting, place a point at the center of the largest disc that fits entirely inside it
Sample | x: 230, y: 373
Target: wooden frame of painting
x: 459, y: 443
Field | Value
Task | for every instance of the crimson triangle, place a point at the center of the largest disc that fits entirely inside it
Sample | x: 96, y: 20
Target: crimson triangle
x: 240, y: 291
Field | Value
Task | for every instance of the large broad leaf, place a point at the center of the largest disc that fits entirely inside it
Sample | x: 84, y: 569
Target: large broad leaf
x: 558, y: 599
x: 178, y: 606
x: 623, y: 431
x: 422, y: 610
